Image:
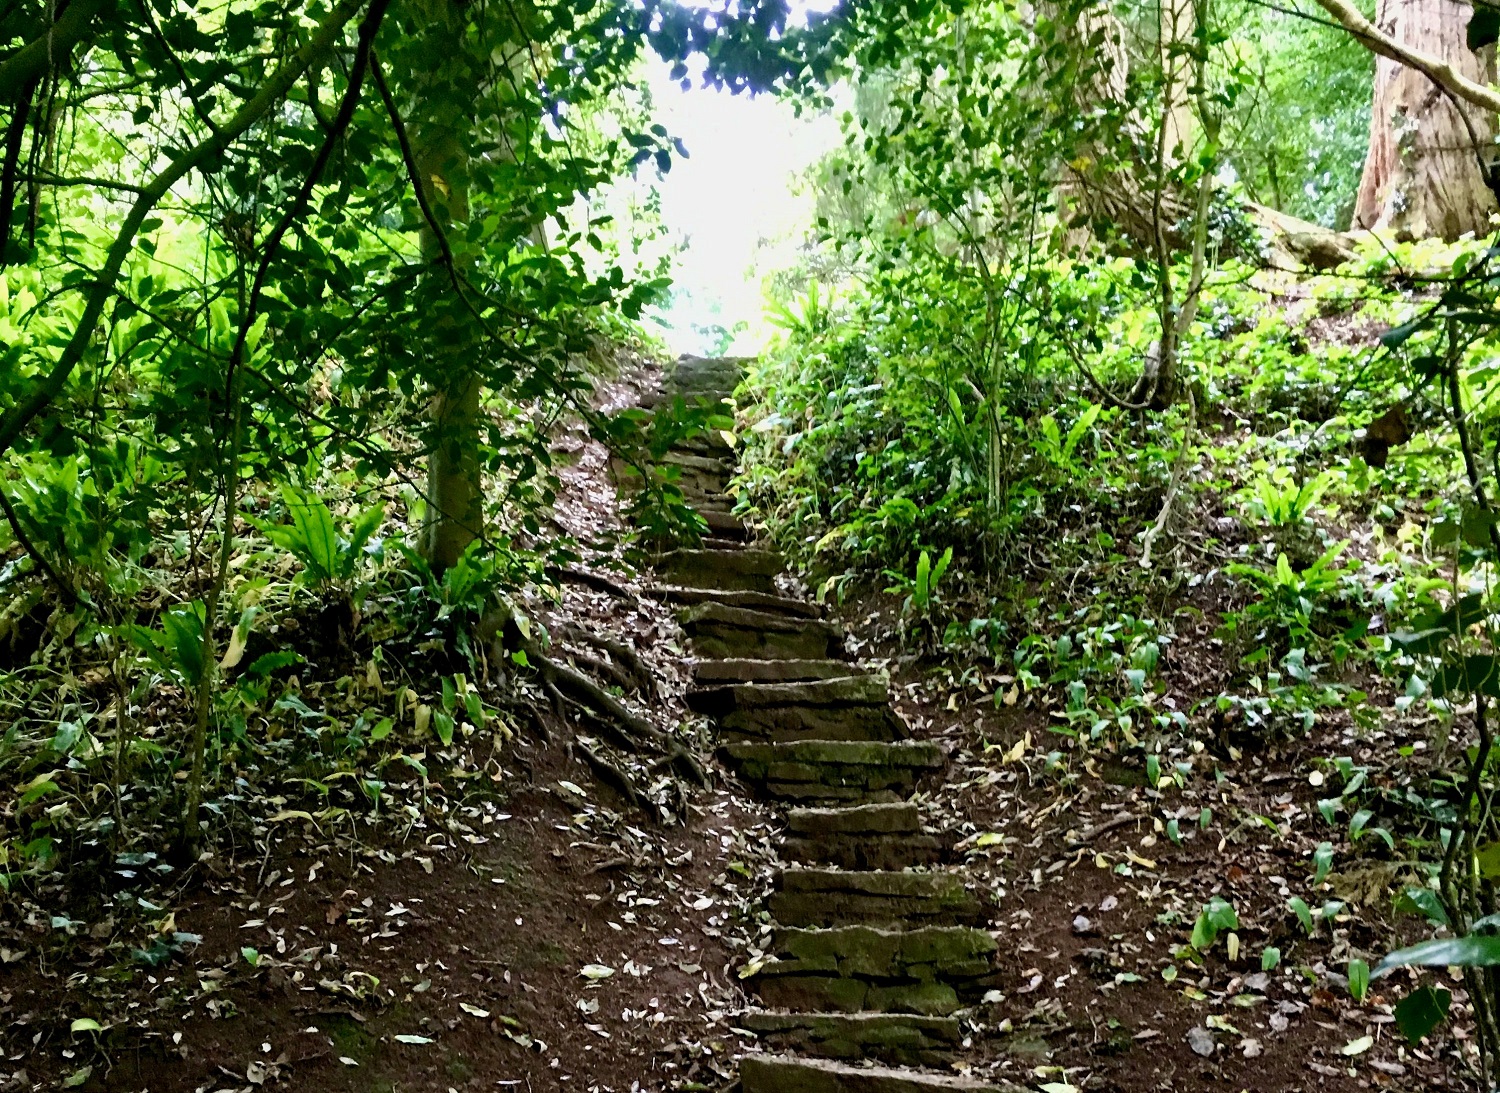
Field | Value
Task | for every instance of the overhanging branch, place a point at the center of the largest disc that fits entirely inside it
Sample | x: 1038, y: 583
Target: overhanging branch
x: 1382, y: 44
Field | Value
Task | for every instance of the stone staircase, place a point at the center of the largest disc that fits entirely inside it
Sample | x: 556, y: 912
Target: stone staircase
x: 877, y: 947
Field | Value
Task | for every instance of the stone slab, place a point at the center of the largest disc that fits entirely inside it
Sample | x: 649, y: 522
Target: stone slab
x: 789, y: 1074
x: 825, y: 771
x: 849, y: 707
x: 907, y: 1039
x: 769, y: 603
x: 845, y: 690
x: 734, y: 570
x: 929, y: 970
x: 747, y: 670
x: 837, y: 897
x: 865, y: 851
x: 861, y: 820
x: 720, y: 630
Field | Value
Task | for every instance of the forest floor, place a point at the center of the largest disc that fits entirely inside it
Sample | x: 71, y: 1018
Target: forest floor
x: 556, y: 939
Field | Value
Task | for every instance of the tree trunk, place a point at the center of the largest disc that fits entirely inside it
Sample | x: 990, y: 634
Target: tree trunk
x: 1109, y: 184
x: 1422, y: 171
x: 455, y: 488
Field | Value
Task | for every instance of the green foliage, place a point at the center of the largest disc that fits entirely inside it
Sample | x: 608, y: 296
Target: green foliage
x: 329, y: 559
x: 1218, y: 916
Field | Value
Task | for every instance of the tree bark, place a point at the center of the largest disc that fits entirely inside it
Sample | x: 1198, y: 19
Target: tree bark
x: 440, y: 132
x: 1422, y: 173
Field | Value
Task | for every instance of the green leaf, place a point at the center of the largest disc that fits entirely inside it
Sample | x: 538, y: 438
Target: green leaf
x: 1424, y: 902
x: 1397, y: 336
x: 1359, y: 979
x: 1153, y: 770
x: 267, y: 663
x: 1217, y: 916
x: 364, y: 528
x: 1270, y: 958
x: 1473, y: 951
x: 1322, y: 862
x: 1421, y: 1011
x: 1302, y: 911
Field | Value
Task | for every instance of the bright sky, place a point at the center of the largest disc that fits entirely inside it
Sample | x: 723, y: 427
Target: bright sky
x: 733, y: 203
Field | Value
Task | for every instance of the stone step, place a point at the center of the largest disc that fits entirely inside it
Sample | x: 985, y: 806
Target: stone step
x: 861, y: 837
x: 866, y: 851
x: 845, y: 708
x: 903, y: 1038
x: 722, y: 524
x: 897, y: 819
x: 790, y: 1074
x: 767, y: 602
x: 734, y: 570
x: 828, y: 771
x: 689, y: 459
x: 932, y: 970
x: 835, y: 897
x: 707, y: 673
x: 720, y: 630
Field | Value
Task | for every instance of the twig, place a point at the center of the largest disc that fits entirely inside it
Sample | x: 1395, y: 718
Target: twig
x: 1179, y: 465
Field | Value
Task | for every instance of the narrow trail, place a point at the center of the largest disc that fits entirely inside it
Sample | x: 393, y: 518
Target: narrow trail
x: 877, y: 946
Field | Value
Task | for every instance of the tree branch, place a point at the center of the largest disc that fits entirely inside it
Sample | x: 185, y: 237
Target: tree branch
x: 102, y: 287
x: 34, y: 60
x: 1382, y: 44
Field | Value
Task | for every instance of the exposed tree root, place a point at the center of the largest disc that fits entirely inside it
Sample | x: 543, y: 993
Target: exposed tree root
x: 635, y: 732
x: 626, y: 666
x: 612, y: 776
x: 597, y: 581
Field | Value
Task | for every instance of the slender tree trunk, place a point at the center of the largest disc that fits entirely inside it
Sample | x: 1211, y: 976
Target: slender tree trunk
x: 1422, y: 172
x: 455, y: 491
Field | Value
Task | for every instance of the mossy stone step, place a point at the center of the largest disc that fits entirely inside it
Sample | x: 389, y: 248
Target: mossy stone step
x: 791, y: 1074
x: 896, y: 819
x: 766, y: 602
x: 835, y: 897
x: 707, y: 673
x: 931, y: 970
x: 907, y: 1039
x: 722, y: 523
x: 722, y: 630
x: 732, y: 570
x: 865, y: 851
x: 827, y: 771
x: 860, y: 837
x: 850, y: 707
